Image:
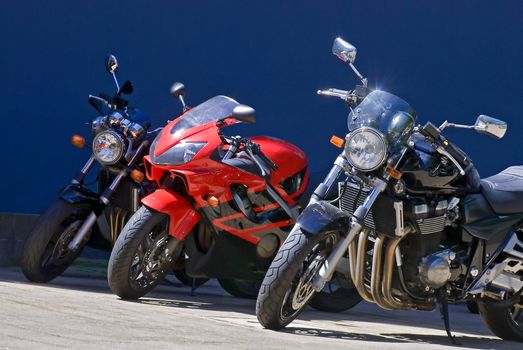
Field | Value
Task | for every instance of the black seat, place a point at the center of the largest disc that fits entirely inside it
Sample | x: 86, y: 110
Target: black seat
x: 504, y: 191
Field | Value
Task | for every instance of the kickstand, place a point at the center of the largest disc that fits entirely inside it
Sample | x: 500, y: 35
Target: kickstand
x: 193, y: 287
x: 444, y: 311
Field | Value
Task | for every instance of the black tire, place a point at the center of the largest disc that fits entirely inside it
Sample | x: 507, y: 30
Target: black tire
x: 187, y: 280
x: 472, y: 306
x: 45, y: 255
x: 145, y: 232
x: 282, y: 280
x: 338, y: 295
x: 247, y: 289
x: 501, y: 320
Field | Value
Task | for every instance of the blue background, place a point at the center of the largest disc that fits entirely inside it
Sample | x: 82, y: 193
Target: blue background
x: 450, y: 59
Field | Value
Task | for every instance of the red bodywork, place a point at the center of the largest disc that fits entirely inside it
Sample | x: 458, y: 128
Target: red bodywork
x: 206, y: 176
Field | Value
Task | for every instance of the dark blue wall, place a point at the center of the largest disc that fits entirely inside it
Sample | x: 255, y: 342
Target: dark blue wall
x: 449, y: 59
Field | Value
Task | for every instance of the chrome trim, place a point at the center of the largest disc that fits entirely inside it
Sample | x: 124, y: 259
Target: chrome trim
x: 82, y: 232
x: 400, y: 226
x: 350, y: 135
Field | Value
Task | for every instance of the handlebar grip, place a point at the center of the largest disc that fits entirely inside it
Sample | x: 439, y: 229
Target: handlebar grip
x: 455, y: 153
x: 267, y: 160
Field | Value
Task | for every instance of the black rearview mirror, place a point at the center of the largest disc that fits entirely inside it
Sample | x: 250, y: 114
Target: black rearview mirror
x: 244, y: 114
x: 111, y: 64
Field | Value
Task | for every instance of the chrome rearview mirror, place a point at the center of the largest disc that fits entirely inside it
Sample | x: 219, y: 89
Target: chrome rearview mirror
x: 344, y: 50
x: 111, y: 64
x: 490, y: 126
x: 347, y: 53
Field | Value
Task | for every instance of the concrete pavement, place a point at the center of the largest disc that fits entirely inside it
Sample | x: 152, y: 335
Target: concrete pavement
x: 80, y: 312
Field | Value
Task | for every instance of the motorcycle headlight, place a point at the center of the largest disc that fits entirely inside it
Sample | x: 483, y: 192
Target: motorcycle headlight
x: 179, y: 154
x: 108, y: 147
x: 365, y: 149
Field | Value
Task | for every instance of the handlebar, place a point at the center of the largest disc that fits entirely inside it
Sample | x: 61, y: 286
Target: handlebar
x: 346, y: 96
x: 252, y: 148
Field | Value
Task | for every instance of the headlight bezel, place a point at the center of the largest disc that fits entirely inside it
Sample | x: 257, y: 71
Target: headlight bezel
x: 120, y: 150
x: 381, y: 140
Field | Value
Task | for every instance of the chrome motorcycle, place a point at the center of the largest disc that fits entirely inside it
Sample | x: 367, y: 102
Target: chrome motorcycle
x: 413, y: 224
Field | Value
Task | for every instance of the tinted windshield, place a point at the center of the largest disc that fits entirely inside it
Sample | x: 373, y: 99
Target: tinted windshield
x: 387, y: 113
x: 214, y: 109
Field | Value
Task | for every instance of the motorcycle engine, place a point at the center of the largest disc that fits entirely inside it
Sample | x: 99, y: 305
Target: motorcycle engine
x: 434, y: 269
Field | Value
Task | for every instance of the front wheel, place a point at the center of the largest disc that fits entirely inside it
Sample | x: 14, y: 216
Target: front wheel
x: 46, y: 254
x: 287, y: 286
x: 143, y: 254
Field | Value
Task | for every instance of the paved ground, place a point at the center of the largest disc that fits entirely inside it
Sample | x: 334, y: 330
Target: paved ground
x: 80, y: 312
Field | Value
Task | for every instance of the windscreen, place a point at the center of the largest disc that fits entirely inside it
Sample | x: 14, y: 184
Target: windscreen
x: 214, y: 109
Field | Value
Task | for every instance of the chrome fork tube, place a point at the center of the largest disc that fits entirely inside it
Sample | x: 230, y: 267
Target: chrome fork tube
x: 78, y: 180
x: 82, y: 232
x: 329, y: 266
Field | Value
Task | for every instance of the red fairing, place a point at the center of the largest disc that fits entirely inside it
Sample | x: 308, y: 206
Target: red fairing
x: 206, y: 175
x: 182, y: 215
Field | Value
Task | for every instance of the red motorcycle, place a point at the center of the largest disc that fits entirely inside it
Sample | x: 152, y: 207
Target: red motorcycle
x: 224, y: 204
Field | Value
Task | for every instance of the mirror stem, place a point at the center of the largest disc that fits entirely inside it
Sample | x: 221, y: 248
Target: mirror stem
x: 358, y: 74
x: 184, y: 106
x: 116, y: 82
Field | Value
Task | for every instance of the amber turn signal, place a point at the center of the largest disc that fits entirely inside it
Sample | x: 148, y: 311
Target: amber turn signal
x: 394, y: 173
x: 337, y: 141
x: 137, y: 175
x: 78, y: 141
x: 213, y: 201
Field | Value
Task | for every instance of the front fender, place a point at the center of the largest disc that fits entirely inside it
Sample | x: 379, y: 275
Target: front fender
x: 321, y: 217
x: 77, y: 194
x: 182, y: 215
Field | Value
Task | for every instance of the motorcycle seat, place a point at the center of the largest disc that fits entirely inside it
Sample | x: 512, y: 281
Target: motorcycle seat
x: 504, y: 191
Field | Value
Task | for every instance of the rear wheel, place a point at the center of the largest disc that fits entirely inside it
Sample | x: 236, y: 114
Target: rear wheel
x: 339, y: 294
x: 247, y: 289
x: 46, y: 254
x: 143, y: 254
x: 505, y: 322
x: 287, y: 286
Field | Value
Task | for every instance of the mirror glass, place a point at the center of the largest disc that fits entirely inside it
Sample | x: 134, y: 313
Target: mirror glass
x: 111, y: 64
x: 343, y: 50
x: 178, y: 89
x: 244, y: 114
x: 490, y: 126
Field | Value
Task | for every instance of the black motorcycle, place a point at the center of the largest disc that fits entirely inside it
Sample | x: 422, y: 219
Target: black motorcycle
x: 420, y: 226
x: 82, y: 215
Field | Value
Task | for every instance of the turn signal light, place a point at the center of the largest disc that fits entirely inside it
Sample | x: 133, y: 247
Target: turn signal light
x: 337, y: 141
x: 78, y: 141
x: 213, y: 201
x: 137, y: 175
x: 394, y: 173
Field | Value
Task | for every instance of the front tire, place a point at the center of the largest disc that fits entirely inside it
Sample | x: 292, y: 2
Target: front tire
x: 143, y: 254
x: 45, y: 254
x: 286, y: 288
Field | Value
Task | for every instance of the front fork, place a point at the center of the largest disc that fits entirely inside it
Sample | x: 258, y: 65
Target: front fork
x: 104, y: 198
x: 329, y: 266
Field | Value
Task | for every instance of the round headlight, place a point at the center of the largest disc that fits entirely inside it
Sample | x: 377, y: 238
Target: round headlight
x: 365, y: 149
x: 108, y: 147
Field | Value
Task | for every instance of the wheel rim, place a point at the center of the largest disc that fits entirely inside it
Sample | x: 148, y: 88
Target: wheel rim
x: 151, y: 261
x: 57, y: 251
x: 301, y: 290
